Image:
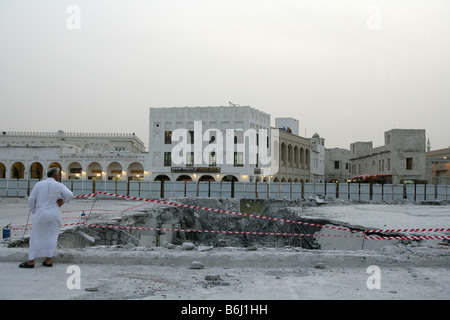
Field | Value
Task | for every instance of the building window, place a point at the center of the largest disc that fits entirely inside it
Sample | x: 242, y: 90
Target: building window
x: 212, y: 159
x: 189, y: 159
x: 167, y: 159
x: 336, y: 164
x: 409, y: 163
x: 238, y: 159
x: 168, y: 137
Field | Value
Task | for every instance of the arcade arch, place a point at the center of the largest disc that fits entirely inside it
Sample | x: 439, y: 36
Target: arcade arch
x: 17, y: 171
x: 94, y: 171
x: 135, y: 171
x: 74, y: 171
x: 36, y: 171
x: 114, y: 171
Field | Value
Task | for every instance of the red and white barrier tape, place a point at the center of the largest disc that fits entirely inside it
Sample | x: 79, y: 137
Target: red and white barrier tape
x: 409, y: 230
x: 261, y: 217
x: 276, y: 219
x: 271, y: 233
x: 85, y: 195
x: 226, y: 211
x: 260, y: 233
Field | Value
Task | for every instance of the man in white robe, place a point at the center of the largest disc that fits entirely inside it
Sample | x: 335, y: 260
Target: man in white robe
x: 44, y: 202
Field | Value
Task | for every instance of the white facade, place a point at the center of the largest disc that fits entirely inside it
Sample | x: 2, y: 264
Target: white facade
x: 317, y: 166
x: 97, y: 156
x: 218, y: 132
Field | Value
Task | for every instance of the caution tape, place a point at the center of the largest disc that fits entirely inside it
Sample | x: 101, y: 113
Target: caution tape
x: 409, y: 238
x: 259, y: 233
x: 226, y: 211
x: 86, y: 195
x: 268, y: 233
x: 363, y: 234
x: 408, y: 230
x: 278, y: 219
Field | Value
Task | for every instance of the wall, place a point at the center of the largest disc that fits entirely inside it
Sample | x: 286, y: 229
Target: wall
x: 225, y: 190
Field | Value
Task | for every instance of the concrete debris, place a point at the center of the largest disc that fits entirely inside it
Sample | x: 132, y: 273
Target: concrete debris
x: 197, y: 265
x: 187, y: 246
x: 87, y: 237
x: 204, y: 248
x: 209, y: 277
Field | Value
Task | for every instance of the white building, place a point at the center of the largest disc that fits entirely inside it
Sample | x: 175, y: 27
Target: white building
x: 288, y: 124
x: 317, y: 166
x: 85, y: 156
x: 215, y: 146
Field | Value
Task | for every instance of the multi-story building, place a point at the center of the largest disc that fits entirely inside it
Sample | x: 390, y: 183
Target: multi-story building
x: 337, y: 165
x: 294, y: 153
x: 98, y: 156
x: 317, y: 166
x: 440, y: 165
x: 208, y: 143
x: 400, y: 160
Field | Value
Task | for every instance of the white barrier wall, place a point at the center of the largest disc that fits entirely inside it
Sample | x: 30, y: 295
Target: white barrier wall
x: 241, y: 190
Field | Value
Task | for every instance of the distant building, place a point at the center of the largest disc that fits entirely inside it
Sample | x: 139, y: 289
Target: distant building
x: 294, y: 153
x: 337, y: 165
x: 440, y: 165
x: 97, y: 156
x: 317, y: 166
x: 400, y: 160
x: 288, y: 124
x: 219, y: 133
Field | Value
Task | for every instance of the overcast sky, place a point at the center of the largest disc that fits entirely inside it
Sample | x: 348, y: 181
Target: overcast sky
x: 347, y: 69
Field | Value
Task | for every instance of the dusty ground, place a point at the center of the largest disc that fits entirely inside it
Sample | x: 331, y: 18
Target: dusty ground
x: 420, y: 272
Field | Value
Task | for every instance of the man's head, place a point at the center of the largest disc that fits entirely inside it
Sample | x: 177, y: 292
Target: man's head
x: 54, y: 173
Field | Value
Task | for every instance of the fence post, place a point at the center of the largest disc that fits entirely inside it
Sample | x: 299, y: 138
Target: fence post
x: 337, y: 190
x: 303, y: 189
x: 359, y: 191
x: 435, y: 191
x: 290, y: 189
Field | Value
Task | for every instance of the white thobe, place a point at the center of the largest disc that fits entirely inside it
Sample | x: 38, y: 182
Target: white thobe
x: 46, y: 217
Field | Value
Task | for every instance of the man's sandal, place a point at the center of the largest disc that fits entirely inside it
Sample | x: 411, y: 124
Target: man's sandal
x: 26, y: 265
x: 47, y: 264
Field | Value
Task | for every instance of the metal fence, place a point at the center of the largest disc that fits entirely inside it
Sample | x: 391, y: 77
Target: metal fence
x: 261, y: 190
